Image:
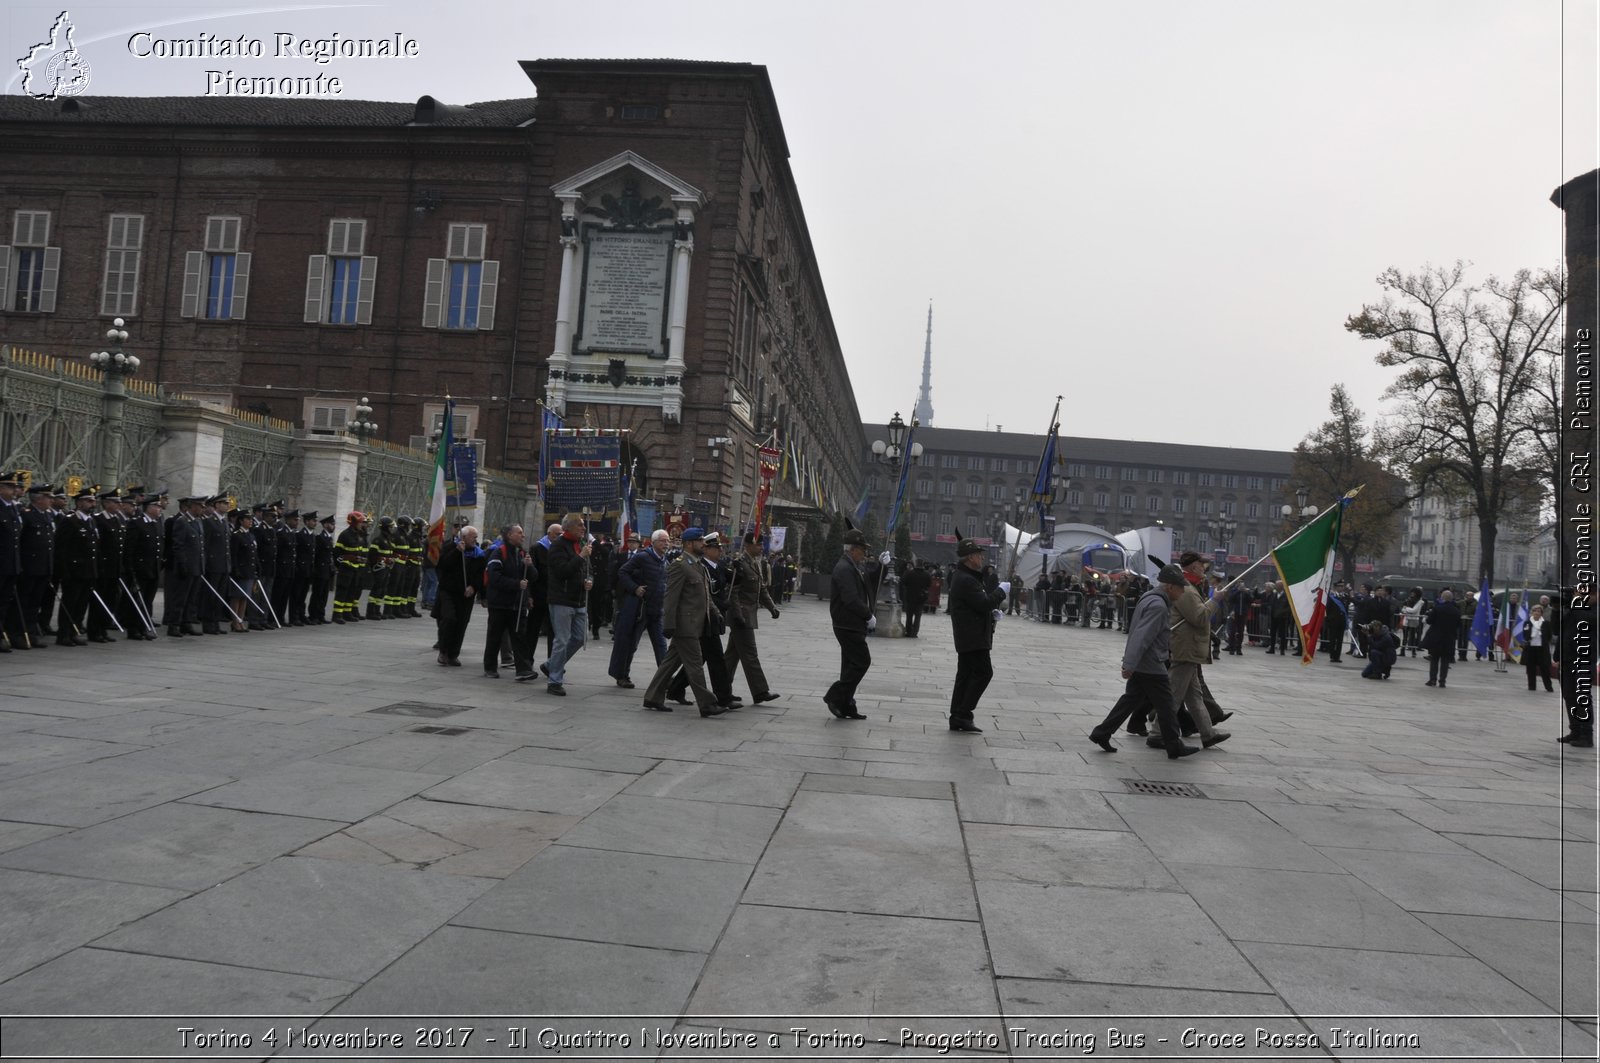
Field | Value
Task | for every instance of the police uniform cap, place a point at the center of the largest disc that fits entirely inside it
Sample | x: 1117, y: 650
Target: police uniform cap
x: 215, y: 499
x: 40, y: 489
x: 87, y: 492
x: 309, y: 515
x: 691, y: 534
x: 11, y: 479
x: 329, y: 519
x: 292, y: 513
x: 713, y: 539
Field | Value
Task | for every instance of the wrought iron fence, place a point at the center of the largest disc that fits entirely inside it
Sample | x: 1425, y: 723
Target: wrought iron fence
x: 260, y: 462
x: 394, y: 480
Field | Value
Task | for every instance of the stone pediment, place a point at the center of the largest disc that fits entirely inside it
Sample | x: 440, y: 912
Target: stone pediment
x: 580, y: 184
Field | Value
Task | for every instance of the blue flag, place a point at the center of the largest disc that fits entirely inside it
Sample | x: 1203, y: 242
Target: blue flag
x: 900, y: 484
x: 1482, y: 633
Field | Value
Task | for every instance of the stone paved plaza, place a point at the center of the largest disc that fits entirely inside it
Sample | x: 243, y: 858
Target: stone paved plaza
x: 321, y: 827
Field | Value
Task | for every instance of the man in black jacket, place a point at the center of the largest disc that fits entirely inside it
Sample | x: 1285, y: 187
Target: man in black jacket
x: 509, y: 577
x: 1444, y: 621
x: 460, y: 570
x: 38, y: 549
x: 850, y: 606
x: 267, y: 560
x: 141, y: 565
x: 914, y: 597
x: 77, y: 568
x: 567, y: 596
x: 214, y: 609
x: 322, y: 571
x: 11, y: 563
x: 642, y: 585
x: 974, y: 597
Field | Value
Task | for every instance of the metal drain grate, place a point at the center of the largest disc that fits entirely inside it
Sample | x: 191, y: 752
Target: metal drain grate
x: 1162, y: 789
x: 448, y: 732
x: 417, y: 708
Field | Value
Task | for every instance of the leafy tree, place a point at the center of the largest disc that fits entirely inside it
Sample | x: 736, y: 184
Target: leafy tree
x: 902, y: 534
x: 833, y: 542
x: 1470, y: 359
x: 1338, y: 457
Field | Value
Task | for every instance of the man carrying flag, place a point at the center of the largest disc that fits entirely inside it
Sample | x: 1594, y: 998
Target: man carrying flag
x: 437, y: 508
x: 1305, y: 564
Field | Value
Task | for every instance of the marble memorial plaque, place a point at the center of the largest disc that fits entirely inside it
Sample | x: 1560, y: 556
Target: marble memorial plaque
x: 625, y: 292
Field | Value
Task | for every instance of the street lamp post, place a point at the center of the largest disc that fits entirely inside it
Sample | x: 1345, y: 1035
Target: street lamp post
x: 116, y: 366
x: 897, y: 456
x: 1302, y: 498
x: 363, y: 427
x: 1222, y: 530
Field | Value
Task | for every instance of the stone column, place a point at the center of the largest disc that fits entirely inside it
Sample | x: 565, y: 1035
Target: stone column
x: 116, y: 393
x: 678, y: 322
x: 561, y: 350
x: 329, y: 466
x: 190, y: 458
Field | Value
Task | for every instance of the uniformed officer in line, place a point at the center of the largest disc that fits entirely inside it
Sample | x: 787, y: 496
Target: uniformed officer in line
x: 305, y: 556
x: 186, y: 563
x: 283, y: 581
x: 322, y: 569
x: 112, y: 530
x: 11, y: 626
x: 141, y: 562
x: 77, y: 569
x: 59, y: 511
x: 213, y: 592
x: 350, y: 557
x: 243, y: 564
x: 38, y: 562
x: 687, y: 613
x: 266, y: 563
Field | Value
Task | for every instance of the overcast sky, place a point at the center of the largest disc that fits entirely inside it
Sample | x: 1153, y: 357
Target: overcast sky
x: 1163, y: 211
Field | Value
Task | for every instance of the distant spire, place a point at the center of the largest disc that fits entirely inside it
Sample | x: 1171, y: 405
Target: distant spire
x: 924, y: 409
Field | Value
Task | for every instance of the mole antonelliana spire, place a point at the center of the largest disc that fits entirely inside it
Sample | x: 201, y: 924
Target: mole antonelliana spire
x: 924, y: 410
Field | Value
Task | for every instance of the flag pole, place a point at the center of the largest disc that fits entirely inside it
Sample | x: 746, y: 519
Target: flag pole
x: 1297, y: 533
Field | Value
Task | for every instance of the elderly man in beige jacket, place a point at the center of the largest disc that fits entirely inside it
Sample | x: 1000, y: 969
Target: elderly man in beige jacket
x: 1191, y: 647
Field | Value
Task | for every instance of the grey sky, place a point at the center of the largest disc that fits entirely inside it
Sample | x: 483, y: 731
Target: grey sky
x: 1163, y: 211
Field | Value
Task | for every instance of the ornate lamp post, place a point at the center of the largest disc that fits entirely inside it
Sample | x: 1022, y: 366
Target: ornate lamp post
x: 363, y: 427
x: 116, y: 366
x: 1222, y: 530
x: 894, y: 453
x: 1302, y: 498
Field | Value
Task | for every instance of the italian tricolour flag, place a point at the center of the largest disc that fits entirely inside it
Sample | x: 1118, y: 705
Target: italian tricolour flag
x: 437, y: 508
x: 1305, y: 564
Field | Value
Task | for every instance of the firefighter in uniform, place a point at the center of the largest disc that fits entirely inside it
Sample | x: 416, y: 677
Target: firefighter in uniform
x: 350, y: 555
x: 380, y: 564
x: 400, y: 585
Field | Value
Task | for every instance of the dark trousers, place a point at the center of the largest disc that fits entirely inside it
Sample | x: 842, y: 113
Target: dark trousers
x: 1336, y: 636
x: 179, y: 599
x: 682, y: 653
x: 31, y: 590
x: 262, y: 593
x: 455, y: 613
x: 1278, y: 634
x: 346, y: 592
x: 973, y: 672
x: 11, y: 612
x: 742, y: 649
x: 913, y: 619
x: 1145, y: 691
x: 297, y: 598
x: 317, y: 608
x: 1439, y: 665
x: 73, y: 616
x: 633, y: 621
x: 279, y: 590
x: 854, y: 660
x: 1536, y: 661
x: 503, y: 624
x: 100, y: 621
x: 214, y: 610
x: 718, y: 678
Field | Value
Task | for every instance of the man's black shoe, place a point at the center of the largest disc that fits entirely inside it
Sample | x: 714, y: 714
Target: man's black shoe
x: 966, y: 727
x: 1155, y: 742
x: 762, y: 699
x: 557, y: 689
x: 491, y: 675
x: 1141, y: 732
x: 545, y: 669
x: 1103, y: 743
x: 1569, y: 738
x: 713, y: 711
x: 174, y: 633
x: 1216, y: 738
x: 679, y: 699
x: 656, y: 706
x: 625, y: 683
x: 854, y: 715
x: 1182, y: 751
x: 1430, y: 683
x: 1224, y: 716
x: 523, y: 677
x: 838, y: 713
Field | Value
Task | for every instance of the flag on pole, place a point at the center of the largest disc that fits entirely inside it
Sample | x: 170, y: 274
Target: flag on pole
x: 1482, y: 633
x: 1305, y: 564
x: 1509, y: 650
x: 625, y: 518
x: 549, y: 421
x: 1042, y: 482
x: 436, y: 509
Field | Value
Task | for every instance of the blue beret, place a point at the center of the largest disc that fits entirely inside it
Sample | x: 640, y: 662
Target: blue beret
x: 690, y: 534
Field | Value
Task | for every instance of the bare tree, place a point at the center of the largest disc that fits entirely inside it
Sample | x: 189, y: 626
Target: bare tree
x: 1470, y: 359
x: 1338, y: 457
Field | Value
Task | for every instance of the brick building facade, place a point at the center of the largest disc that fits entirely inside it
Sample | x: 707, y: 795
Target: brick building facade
x: 294, y: 255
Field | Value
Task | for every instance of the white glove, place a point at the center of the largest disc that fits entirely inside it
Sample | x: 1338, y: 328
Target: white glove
x: 1005, y: 587
x: 884, y: 559
x: 872, y: 623
x: 997, y: 615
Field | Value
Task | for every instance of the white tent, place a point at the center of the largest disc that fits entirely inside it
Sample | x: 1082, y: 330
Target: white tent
x: 1148, y: 548
x: 1067, y: 553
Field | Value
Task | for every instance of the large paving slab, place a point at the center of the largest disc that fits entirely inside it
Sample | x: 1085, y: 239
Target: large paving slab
x: 365, y: 918
x: 862, y: 853
x: 532, y: 787
x: 85, y: 794
x: 1226, y: 833
x: 44, y: 916
x: 669, y: 827
x: 445, y: 837
x: 319, y: 790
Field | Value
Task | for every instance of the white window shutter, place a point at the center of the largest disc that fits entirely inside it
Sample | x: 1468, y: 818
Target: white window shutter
x: 316, y: 287
x: 47, y: 286
x: 22, y: 228
x: 241, y: 281
x: 338, y: 234
x: 366, y: 289
x: 5, y: 279
x: 456, y: 245
x: 111, y: 293
x: 230, y: 234
x: 475, y: 238
x: 488, y: 285
x: 355, y: 238
x: 194, y: 269
x: 134, y: 235
x: 433, y: 293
